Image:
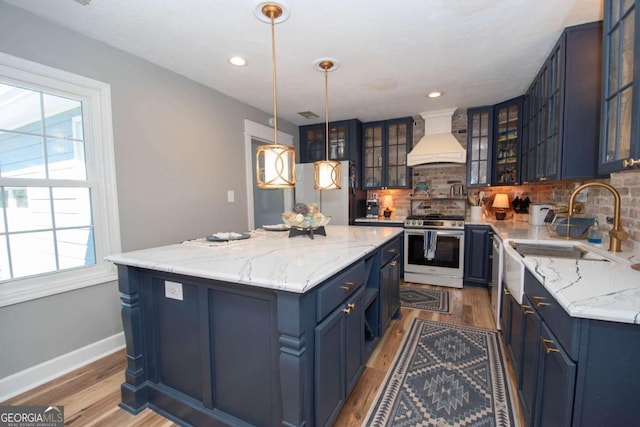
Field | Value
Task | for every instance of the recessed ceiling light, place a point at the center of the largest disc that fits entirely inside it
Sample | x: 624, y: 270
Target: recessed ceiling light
x: 238, y: 61
x: 435, y: 94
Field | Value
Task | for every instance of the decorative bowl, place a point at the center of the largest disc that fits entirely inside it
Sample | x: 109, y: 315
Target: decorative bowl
x: 305, y: 222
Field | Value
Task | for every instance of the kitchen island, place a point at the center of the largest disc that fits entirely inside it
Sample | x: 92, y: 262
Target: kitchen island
x: 268, y: 330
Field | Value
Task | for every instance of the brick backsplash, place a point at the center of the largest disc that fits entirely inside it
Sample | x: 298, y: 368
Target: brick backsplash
x: 439, y: 176
x: 599, y: 201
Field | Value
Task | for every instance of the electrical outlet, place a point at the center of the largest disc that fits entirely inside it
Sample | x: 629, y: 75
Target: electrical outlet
x: 173, y: 290
x: 231, y: 196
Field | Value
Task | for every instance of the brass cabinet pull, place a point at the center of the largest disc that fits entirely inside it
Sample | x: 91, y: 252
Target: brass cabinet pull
x: 393, y: 251
x: 630, y: 163
x: 506, y: 291
x: 539, y: 303
x: 348, y: 286
x: 393, y: 263
x: 527, y: 309
x: 545, y: 344
x: 349, y: 307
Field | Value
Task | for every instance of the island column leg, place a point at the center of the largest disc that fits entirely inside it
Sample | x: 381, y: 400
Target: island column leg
x: 295, y: 380
x: 134, y: 394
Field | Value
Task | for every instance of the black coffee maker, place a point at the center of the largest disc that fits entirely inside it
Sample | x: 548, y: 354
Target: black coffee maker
x: 373, y: 209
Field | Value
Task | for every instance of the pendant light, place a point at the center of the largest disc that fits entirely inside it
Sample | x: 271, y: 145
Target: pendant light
x: 275, y: 163
x: 326, y: 172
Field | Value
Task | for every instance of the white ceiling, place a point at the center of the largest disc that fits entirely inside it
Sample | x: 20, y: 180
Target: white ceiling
x: 390, y: 54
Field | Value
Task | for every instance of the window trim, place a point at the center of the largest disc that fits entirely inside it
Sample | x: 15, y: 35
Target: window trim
x: 99, y: 131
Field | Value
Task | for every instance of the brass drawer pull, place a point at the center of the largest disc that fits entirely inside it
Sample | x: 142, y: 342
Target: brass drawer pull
x: 506, y: 291
x: 630, y: 163
x: 539, y: 303
x: 393, y: 251
x: 545, y: 344
x: 527, y: 309
x: 393, y: 263
x: 351, y: 306
x: 348, y: 286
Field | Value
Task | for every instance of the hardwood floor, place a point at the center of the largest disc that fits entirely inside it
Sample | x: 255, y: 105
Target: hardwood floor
x: 91, y: 394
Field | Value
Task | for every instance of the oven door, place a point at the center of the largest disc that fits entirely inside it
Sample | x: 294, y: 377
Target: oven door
x: 445, y: 267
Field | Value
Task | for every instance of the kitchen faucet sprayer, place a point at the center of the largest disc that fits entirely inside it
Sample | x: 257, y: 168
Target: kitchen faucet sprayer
x: 617, y: 234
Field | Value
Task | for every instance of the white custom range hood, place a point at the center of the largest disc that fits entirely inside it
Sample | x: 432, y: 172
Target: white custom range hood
x: 437, y: 145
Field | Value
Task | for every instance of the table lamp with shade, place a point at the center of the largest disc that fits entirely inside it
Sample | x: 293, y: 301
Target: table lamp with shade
x: 500, y: 203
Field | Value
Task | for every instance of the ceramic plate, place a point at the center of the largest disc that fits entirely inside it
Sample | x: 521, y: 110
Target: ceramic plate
x: 276, y: 227
x: 227, y: 236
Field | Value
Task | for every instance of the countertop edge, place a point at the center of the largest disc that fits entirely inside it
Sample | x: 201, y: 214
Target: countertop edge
x: 356, y: 251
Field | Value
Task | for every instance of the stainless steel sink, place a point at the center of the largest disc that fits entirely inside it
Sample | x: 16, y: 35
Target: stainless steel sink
x: 556, y: 251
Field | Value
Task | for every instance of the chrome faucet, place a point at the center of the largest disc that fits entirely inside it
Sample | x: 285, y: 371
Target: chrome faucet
x: 617, y: 234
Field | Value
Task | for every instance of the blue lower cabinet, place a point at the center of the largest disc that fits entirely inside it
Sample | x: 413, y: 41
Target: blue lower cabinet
x: 527, y: 385
x: 556, y: 383
x: 477, y: 255
x: 575, y: 371
x: 339, y: 357
x: 516, y: 335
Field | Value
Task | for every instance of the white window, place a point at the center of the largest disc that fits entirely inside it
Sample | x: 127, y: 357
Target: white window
x: 58, y: 206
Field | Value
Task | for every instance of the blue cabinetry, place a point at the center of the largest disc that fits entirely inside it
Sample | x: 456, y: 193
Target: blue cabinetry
x: 477, y: 255
x: 528, y: 378
x: 389, y: 281
x: 620, y: 133
x: 234, y: 354
x: 493, y: 144
x: 479, y: 146
x: 345, y: 143
x: 339, y: 357
x: 385, y: 147
x: 571, y: 371
x: 562, y: 109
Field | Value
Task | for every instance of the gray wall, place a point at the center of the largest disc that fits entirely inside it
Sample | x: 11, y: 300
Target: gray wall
x: 179, y: 146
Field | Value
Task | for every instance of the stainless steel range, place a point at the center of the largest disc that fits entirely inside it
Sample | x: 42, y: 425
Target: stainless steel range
x: 434, y: 249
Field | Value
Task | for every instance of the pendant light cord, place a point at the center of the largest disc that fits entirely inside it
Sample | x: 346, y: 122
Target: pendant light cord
x: 275, y: 84
x: 326, y: 110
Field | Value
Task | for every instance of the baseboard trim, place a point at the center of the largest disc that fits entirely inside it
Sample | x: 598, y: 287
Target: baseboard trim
x: 34, y: 376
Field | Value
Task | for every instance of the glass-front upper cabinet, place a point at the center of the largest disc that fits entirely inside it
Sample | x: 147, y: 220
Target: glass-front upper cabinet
x: 507, y: 127
x: 479, y: 142
x: 386, y: 144
x: 530, y: 134
x: 344, y: 139
x: 373, y: 149
x: 397, y: 140
x: 619, y: 139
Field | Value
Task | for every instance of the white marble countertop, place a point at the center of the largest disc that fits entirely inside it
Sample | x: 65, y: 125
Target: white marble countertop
x: 587, y: 289
x: 268, y: 259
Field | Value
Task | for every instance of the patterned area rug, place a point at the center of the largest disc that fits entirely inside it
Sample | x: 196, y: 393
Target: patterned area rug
x: 445, y: 375
x: 424, y: 299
